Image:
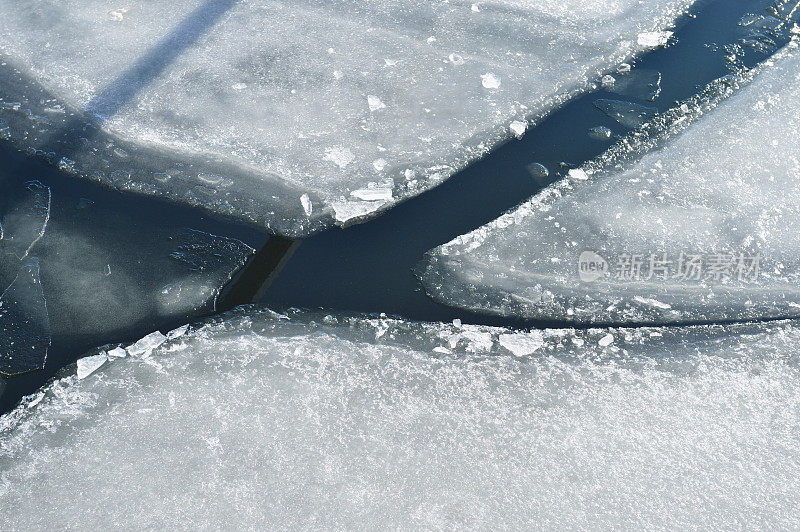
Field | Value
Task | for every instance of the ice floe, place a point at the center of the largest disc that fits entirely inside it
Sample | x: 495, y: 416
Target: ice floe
x: 694, y: 218
x: 287, y: 99
x: 323, y: 421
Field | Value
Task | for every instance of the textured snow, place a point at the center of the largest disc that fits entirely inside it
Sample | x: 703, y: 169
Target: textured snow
x: 312, y: 421
x: 715, y: 183
x: 286, y: 99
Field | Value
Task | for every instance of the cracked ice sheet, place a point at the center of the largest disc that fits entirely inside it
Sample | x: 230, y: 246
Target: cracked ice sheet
x: 724, y: 190
x: 79, y: 282
x: 313, y: 421
x: 331, y: 102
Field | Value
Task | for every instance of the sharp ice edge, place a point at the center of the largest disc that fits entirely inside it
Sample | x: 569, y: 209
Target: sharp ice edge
x: 341, y: 422
x: 381, y: 86
x: 717, y: 175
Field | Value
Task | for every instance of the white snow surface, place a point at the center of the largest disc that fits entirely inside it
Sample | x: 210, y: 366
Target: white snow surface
x: 716, y: 179
x: 291, y: 98
x: 258, y: 420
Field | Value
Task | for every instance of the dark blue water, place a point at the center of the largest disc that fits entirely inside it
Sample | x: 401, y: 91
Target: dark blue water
x: 369, y: 268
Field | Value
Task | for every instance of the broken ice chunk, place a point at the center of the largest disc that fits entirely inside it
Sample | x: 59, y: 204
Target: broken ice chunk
x: 522, y: 344
x: 24, y: 323
x: 375, y: 103
x: 179, y: 331
x: 607, y: 81
x: 630, y: 115
x: 117, y: 352
x: 144, y: 347
x: 600, y: 133
x: 305, y: 201
x: 490, y: 81
x: 538, y: 171
x: 347, y: 211
x: 518, y: 128
x: 90, y: 364
x: 373, y: 194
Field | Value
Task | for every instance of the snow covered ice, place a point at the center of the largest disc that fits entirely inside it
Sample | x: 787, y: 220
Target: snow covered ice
x: 692, y: 219
x: 315, y: 421
x: 275, y: 112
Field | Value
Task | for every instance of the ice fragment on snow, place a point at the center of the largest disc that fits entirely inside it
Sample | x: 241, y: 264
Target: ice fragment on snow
x: 90, y: 364
x: 144, y: 347
x: 375, y: 103
x: 305, y: 201
x: 490, y: 81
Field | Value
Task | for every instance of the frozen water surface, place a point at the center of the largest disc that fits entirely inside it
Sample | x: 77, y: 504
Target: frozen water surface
x: 702, y: 227
x: 318, y: 421
x: 75, y: 269
x: 24, y: 323
x: 277, y: 113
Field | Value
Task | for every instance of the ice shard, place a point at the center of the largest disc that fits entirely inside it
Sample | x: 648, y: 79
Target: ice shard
x: 693, y: 218
x: 300, y: 115
x: 328, y: 422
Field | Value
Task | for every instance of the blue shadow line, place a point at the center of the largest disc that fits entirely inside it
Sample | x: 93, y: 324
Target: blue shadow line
x: 154, y: 62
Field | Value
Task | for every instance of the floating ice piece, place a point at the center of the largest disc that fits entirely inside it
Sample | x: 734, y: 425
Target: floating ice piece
x: 642, y: 83
x: 702, y: 227
x: 518, y: 128
x: 630, y: 115
x: 25, y: 223
x: 600, y: 133
x: 90, y: 364
x: 538, y: 171
x: 24, y: 323
x: 311, y: 422
x: 287, y: 98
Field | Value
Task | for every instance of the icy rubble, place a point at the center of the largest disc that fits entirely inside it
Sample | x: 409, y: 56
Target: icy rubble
x: 311, y: 421
x: 86, y: 274
x: 277, y: 112
x: 703, y: 226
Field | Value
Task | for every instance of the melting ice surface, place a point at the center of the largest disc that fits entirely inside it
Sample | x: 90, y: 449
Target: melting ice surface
x: 318, y: 421
x: 703, y: 227
x: 75, y: 269
x: 300, y: 114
